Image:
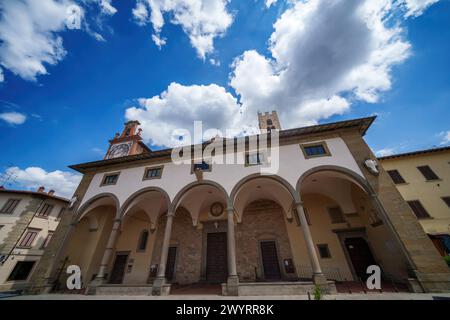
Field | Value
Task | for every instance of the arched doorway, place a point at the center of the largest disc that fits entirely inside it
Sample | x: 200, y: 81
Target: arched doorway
x: 264, y: 246
x: 348, y: 231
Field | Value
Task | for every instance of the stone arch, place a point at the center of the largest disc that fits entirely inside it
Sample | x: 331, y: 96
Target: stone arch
x: 284, y: 185
x: 136, y: 194
x: 276, y: 178
x: 362, y: 183
x: 358, y: 179
x: 83, y: 210
x: 182, y: 192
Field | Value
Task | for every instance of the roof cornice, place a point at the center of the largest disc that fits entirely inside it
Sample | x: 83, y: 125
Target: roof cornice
x: 360, y: 124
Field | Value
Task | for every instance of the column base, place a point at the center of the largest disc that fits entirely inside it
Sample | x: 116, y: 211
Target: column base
x: 232, y: 287
x: 160, y: 287
x: 92, y: 287
x: 325, y: 286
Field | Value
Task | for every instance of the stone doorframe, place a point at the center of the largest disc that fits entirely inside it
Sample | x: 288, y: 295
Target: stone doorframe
x: 360, y: 232
x: 209, y: 227
x: 116, y: 253
x: 260, y: 260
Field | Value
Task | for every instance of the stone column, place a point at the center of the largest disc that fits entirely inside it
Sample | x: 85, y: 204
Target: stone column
x: 233, y: 280
x: 318, y: 276
x: 160, y: 280
x: 115, y: 231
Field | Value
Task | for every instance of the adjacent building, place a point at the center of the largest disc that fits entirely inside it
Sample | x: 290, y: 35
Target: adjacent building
x: 28, y: 220
x: 143, y: 223
x: 423, y: 179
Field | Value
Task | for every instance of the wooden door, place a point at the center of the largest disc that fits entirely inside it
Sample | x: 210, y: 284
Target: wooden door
x: 216, y: 257
x: 270, y: 261
x: 360, y: 255
x: 118, y: 269
x: 170, y: 265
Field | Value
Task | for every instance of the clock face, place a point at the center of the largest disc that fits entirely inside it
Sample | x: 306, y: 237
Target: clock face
x: 119, y: 150
x: 216, y: 209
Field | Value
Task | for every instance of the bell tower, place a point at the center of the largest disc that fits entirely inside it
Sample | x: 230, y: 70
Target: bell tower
x: 269, y: 121
x: 128, y: 143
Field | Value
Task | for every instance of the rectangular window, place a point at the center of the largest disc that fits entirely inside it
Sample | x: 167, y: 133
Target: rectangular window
x: 110, y: 179
x: 61, y: 212
x: 253, y: 159
x: 336, y: 215
x: 396, y: 177
x: 143, y: 241
x: 45, y: 210
x: 153, y: 173
x: 313, y: 150
x: 10, y: 205
x: 324, y: 251
x: 428, y: 173
x: 418, y: 209
x: 21, y: 270
x: 446, y: 200
x: 28, y: 239
x: 47, y: 240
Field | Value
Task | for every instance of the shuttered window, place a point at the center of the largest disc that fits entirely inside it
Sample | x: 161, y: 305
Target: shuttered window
x: 45, y: 210
x: 396, y: 177
x: 428, y: 173
x: 418, y: 209
x: 28, y: 239
x: 446, y: 200
x: 47, y: 240
x: 10, y: 205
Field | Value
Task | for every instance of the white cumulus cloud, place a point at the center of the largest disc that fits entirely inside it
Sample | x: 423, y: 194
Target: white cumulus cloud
x: 179, y: 106
x: 415, y: 8
x: 323, y: 56
x: 445, y: 137
x: 385, y: 152
x: 322, y: 51
x: 201, y: 20
x: 64, y: 183
x: 30, y: 30
x: 13, y: 118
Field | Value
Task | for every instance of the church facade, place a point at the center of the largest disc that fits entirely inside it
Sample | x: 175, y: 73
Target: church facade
x: 140, y: 223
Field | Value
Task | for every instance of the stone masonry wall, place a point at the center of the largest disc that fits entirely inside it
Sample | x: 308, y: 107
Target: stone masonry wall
x: 262, y: 220
x: 188, y: 240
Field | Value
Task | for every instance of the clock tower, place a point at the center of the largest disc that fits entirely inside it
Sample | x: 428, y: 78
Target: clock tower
x: 128, y: 143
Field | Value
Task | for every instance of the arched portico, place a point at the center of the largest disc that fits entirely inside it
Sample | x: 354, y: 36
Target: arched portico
x: 133, y: 245
x: 352, y: 223
x: 91, y: 230
x: 197, y: 199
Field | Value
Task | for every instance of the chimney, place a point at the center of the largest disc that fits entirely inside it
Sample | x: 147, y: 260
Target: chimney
x: 51, y: 192
x: 41, y: 189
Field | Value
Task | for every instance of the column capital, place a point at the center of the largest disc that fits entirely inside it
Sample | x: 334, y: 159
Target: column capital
x: 230, y: 210
x: 117, y: 220
x: 299, y: 203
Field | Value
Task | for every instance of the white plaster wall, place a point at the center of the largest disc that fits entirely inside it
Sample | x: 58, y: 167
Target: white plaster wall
x: 175, y: 177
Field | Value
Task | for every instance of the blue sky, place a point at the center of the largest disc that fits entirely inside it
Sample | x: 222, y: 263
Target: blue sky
x: 59, y: 106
